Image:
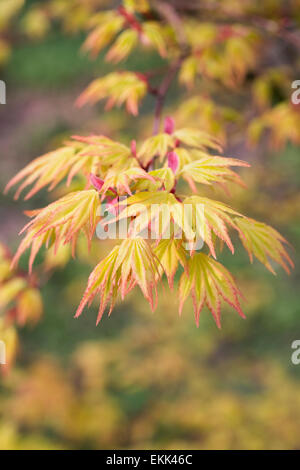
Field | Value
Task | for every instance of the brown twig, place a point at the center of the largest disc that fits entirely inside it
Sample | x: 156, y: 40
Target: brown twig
x: 168, y: 13
x: 162, y: 91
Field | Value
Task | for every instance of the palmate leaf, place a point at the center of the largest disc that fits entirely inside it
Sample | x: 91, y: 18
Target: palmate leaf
x: 118, y: 88
x: 52, y: 168
x: 108, y: 24
x: 198, y: 139
x: 161, y: 144
x: 105, y: 27
x: 211, y: 169
x: 153, y: 33
x: 129, y: 264
x: 170, y: 253
x: 239, y: 57
x: 123, y: 46
x: 214, y: 218
x: 263, y: 242
x: 282, y: 123
x: 161, y: 178
x: 157, y: 145
x: 121, y: 180
x: 160, y: 212
x: 208, y: 282
x: 196, y: 218
x: 82, y: 155
x: 166, y: 177
x: 109, y: 152
x: 60, y: 222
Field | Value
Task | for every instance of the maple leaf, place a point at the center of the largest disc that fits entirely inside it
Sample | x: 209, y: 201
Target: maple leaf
x: 109, y: 152
x: 239, y: 58
x: 158, y: 211
x: 160, y: 178
x: 166, y: 177
x: 114, y: 160
x: 123, y: 46
x: 209, y: 169
x: 128, y: 264
x: 283, y: 123
x: 153, y: 34
x: 118, y: 88
x: 263, y: 242
x: 52, y: 168
x: 170, y: 253
x: 59, y: 222
x: 213, y: 219
x: 199, y: 139
x: 157, y: 145
x: 106, y: 26
x: 209, y: 282
x: 121, y: 180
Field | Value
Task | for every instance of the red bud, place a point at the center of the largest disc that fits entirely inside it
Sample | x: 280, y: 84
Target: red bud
x: 169, y: 125
x: 173, y: 161
x: 96, y: 182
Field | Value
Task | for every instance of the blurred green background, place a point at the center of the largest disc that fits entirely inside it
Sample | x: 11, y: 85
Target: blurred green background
x: 143, y: 380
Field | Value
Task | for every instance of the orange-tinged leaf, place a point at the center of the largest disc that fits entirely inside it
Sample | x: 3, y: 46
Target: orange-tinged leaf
x: 118, y: 88
x: 154, y: 34
x: 215, y: 218
x: 159, y: 211
x: 170, y: 253
x: 211, y: 169
x: 264, y: 242
x: 133, y: 262
x: 157, y: 145
x: 107, y: 25
x: 61, y: 222
x: 195, y: 138
x: 49, y: 169
x: 208, y: 282
x: 123, y: 46
x: 121, y: 180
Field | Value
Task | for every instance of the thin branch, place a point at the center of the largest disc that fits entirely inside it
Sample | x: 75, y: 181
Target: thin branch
x: 226, y: 16
x: 163, y: 90
x: 168, y: 13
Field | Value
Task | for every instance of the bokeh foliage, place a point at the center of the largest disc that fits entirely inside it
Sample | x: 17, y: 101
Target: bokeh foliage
x: 142, y: 380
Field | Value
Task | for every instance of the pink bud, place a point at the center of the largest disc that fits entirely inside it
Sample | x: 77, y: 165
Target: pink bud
x: 169, y: 125
x: 133, y: 147
x: 96, y: 182
x: 173, y: 161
